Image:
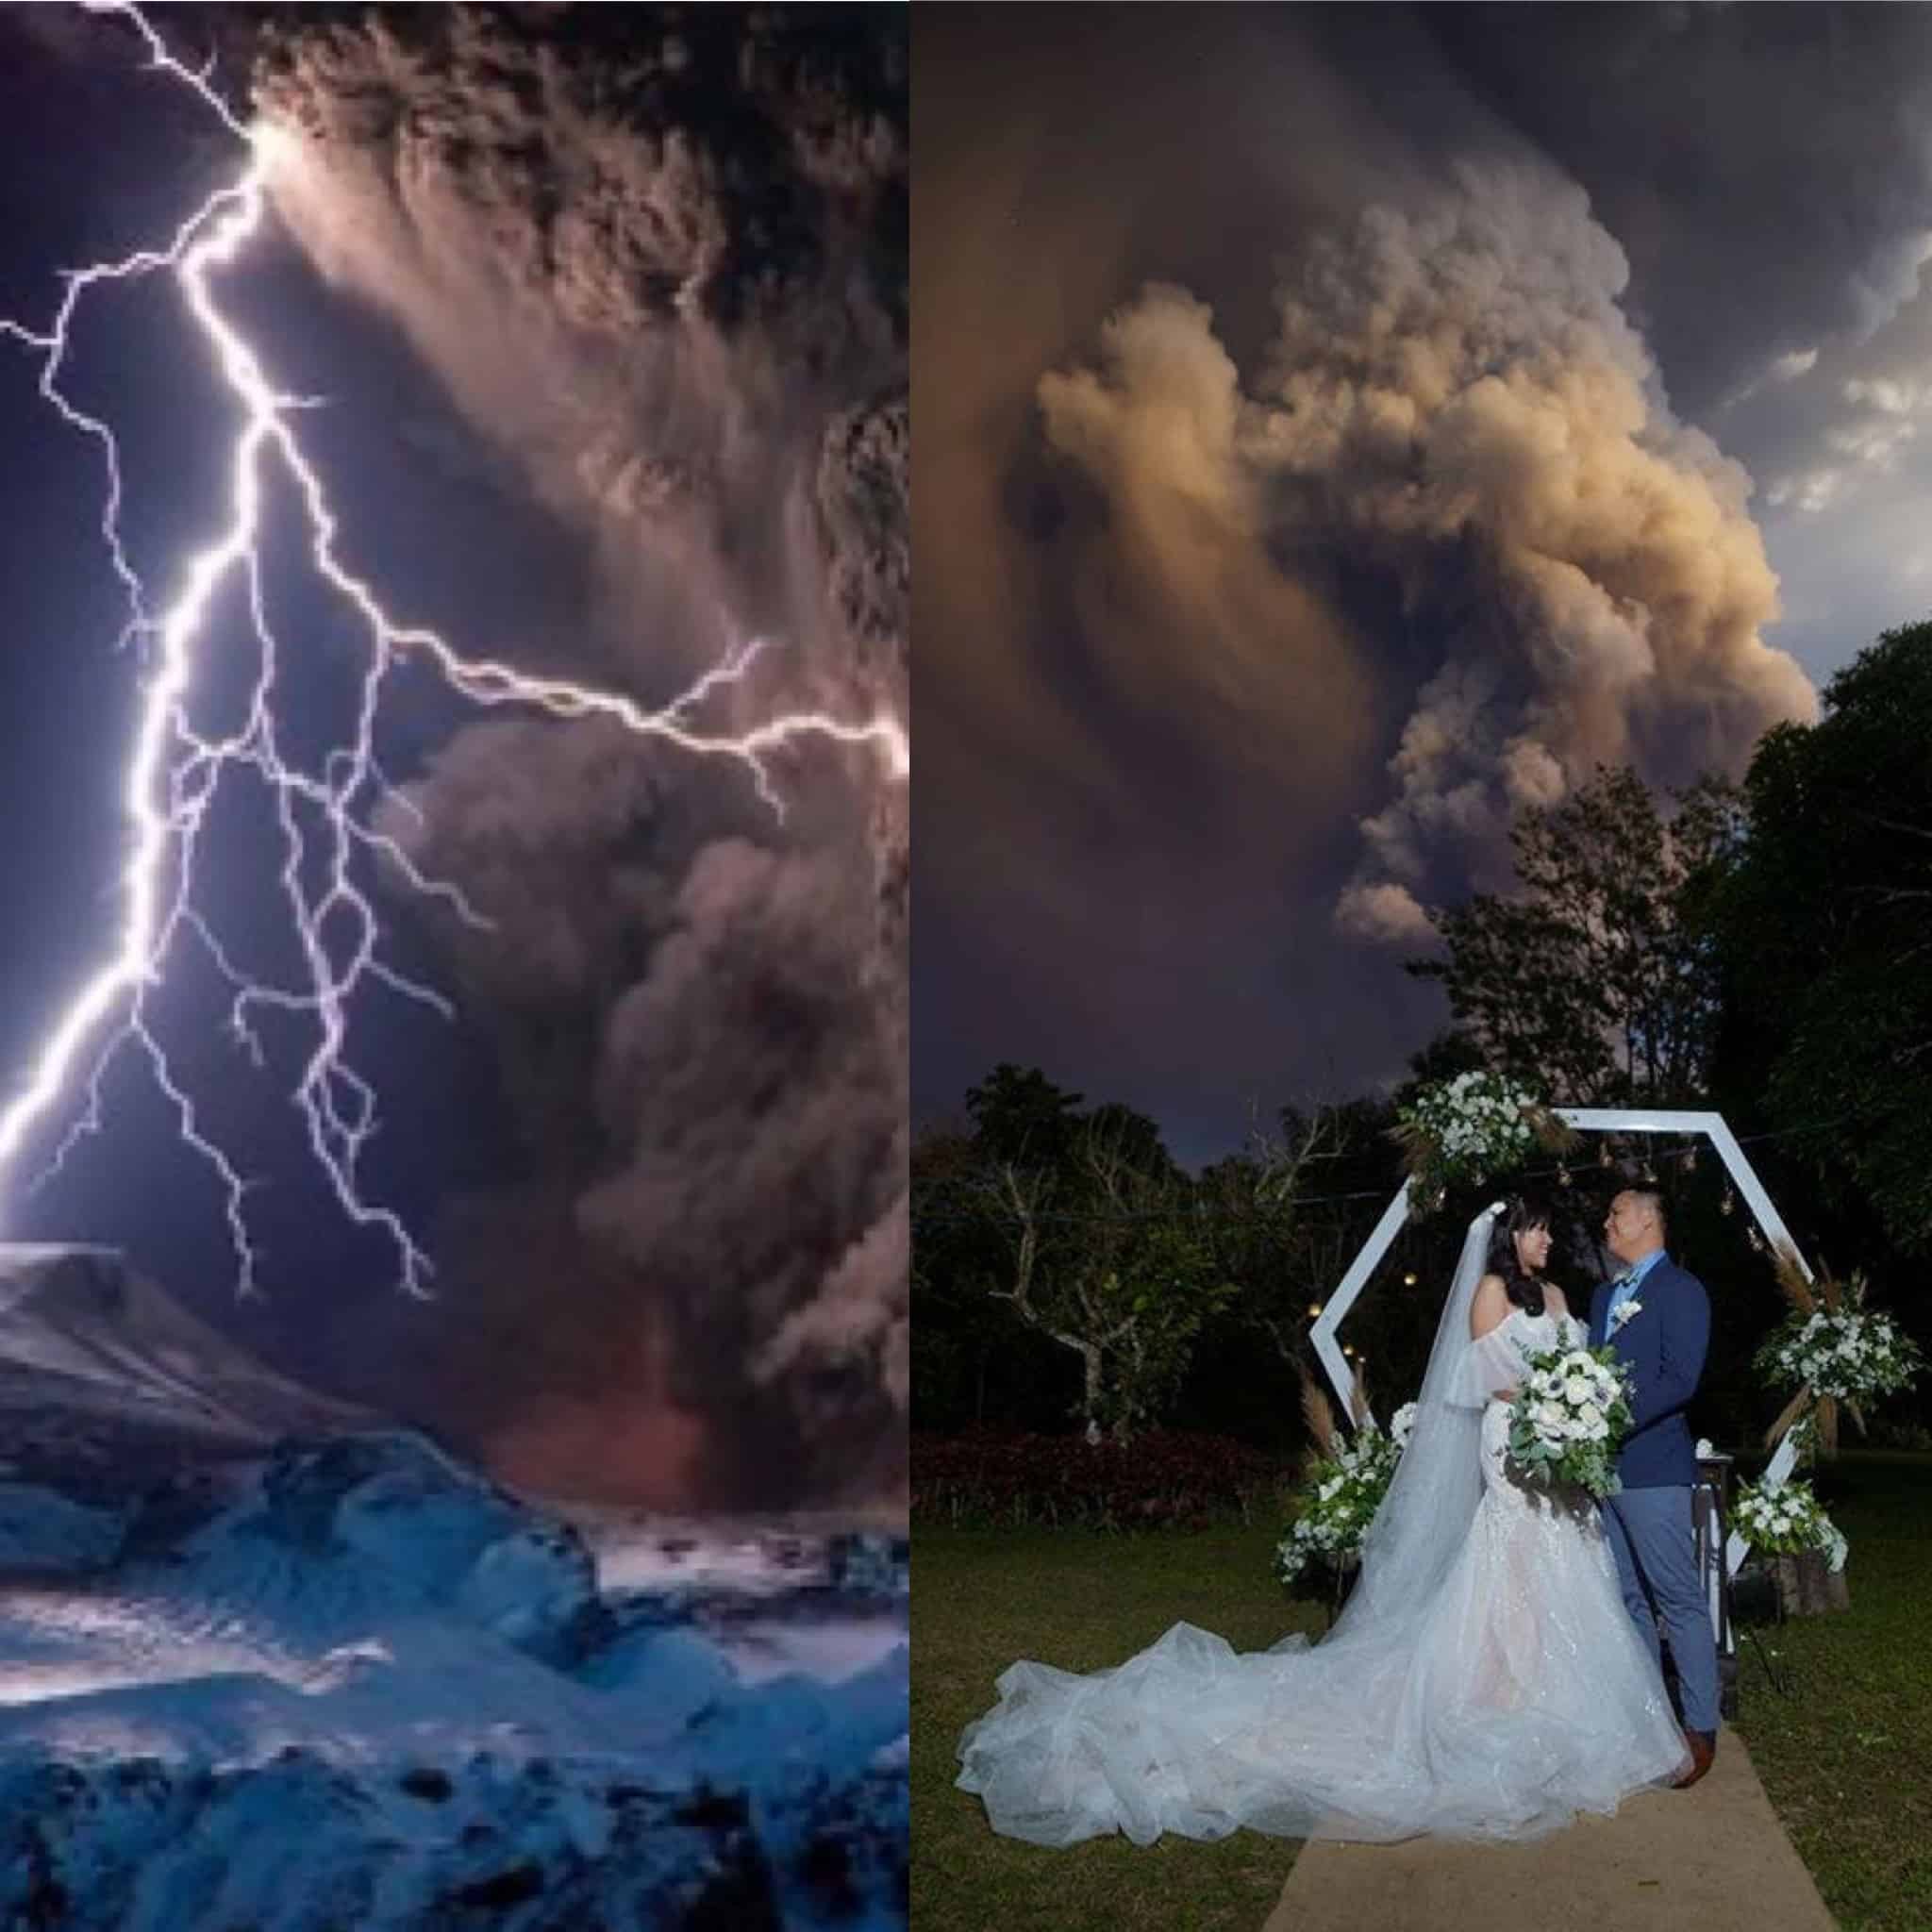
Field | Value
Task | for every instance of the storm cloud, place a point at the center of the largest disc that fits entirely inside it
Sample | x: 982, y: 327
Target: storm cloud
x: 1454, y: 399
x: 1346, y: 460
x: 1767, y: 172
x: 657, y: 262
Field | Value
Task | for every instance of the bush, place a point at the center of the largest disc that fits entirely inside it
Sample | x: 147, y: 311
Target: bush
x: 1162, y: 1479
x: 1889, y: 1432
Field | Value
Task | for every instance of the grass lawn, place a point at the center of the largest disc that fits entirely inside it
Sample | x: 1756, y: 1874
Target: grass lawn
x: 1846, y: 1757
x: 1082, y: 1600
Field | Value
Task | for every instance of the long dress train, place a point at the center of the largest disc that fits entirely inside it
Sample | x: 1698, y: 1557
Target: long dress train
x: 1518, y: 1695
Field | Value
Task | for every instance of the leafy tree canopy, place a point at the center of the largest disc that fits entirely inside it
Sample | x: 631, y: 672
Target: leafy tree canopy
x: 1596, y: 983
x: 1827, y: 933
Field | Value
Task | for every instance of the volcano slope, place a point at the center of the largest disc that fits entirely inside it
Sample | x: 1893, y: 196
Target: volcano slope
x: 268, y: 1663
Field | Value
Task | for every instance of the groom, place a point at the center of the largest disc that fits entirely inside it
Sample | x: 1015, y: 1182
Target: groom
x: 1658, y: 1318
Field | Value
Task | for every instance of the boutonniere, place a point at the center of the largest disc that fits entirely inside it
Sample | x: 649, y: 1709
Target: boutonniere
x: 1623, y: 1314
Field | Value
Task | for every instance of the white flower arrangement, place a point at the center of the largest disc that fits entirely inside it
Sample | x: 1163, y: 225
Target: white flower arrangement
x: 1339, y: 1495
x: 1569, y: 1419
x: 1624, y: 1312
x: 1783, y: 1519
x: 1850, y: 1356
x: 1831, y: 1349
x: 1465, y: 1129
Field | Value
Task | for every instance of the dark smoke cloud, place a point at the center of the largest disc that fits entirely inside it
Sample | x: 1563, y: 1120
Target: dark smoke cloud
x: 1454, y: 399
x: 657, y: 258
x: 1324, y: 499
x: 1768, y: 171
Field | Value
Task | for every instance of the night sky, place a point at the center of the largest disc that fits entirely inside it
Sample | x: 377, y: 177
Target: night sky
x: 1340, y: 426
x: 606, y: 316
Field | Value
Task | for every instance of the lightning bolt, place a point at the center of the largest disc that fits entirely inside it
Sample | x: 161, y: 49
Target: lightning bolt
x: 325, y: 816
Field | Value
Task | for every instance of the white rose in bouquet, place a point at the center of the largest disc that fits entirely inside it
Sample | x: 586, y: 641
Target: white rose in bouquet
x: 1569, y: 1419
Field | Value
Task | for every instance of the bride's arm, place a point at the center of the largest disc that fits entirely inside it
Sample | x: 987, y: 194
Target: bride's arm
x: 1490, y: 1307
x: 1488, y: 1370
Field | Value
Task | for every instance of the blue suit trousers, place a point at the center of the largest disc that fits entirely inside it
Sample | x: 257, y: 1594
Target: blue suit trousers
x: 1655, y: 1544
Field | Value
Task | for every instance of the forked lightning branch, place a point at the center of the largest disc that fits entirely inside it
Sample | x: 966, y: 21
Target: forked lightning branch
x: 325, y: 809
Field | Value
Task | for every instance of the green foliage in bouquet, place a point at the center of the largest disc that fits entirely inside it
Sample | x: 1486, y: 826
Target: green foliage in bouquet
x: 1569, y: 1417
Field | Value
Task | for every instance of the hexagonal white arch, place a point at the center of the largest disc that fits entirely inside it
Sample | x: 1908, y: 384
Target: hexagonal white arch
x: 1585, y: 1120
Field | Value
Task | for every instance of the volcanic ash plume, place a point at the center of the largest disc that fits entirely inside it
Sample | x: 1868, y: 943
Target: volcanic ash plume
x: 1456, y: 403
x: 659, y: 261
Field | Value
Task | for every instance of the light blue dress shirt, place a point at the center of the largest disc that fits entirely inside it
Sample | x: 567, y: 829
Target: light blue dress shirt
x: 1625, y: 1290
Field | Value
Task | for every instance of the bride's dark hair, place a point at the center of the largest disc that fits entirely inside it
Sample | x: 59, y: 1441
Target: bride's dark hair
x: 1521, y: 1213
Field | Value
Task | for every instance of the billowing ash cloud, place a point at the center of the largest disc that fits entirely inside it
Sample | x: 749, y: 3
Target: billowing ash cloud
x: 1322, y: 455
x: 1767, y: 169
x: 657, y: 258
x: 1453, y: 398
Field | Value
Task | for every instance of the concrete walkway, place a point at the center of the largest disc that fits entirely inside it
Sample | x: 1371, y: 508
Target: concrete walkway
x: 1713, y: 1859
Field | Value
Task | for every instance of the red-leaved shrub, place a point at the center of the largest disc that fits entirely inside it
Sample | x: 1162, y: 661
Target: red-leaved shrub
x: 1163, y: 1478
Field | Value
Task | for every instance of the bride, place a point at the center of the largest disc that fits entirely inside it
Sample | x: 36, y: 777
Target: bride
x: 1484, y: 1681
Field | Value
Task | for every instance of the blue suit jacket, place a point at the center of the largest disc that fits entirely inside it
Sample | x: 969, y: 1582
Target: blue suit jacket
x: 1664, y: 1345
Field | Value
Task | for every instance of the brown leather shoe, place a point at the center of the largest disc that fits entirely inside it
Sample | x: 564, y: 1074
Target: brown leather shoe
x: 1702, y: 1748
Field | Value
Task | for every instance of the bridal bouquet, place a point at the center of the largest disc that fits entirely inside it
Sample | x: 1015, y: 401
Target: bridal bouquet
x: 1782, y: 1519
x: 1569, y: 1419
x: 1339, y: 1495
x: 1471, y: 1127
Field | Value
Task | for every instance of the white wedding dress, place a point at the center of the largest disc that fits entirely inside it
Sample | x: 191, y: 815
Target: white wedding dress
x: 1511, y: 1693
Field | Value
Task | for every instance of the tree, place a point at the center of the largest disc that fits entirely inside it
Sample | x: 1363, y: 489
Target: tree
x: 1018, y: 1116
x: 956, y: 1254
x: 1037, y: 1228
x: 1281, y: 1249
x: 1112, y: 1258
x: 1444, y: 1056
x: 1597, y: 982
x: 1825, y: 935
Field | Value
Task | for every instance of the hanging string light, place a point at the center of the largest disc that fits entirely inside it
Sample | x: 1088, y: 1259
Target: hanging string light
x: 937, y: 1198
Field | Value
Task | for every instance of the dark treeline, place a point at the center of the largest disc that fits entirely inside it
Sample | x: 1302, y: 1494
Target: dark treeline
x: 1763, y: 950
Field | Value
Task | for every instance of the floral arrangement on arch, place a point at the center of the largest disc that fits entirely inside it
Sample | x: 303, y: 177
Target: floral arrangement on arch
x: 1784, y: 1519
x: 1832, y: 1349
x: 1342, y: 1485
x: 1463, y: 1131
